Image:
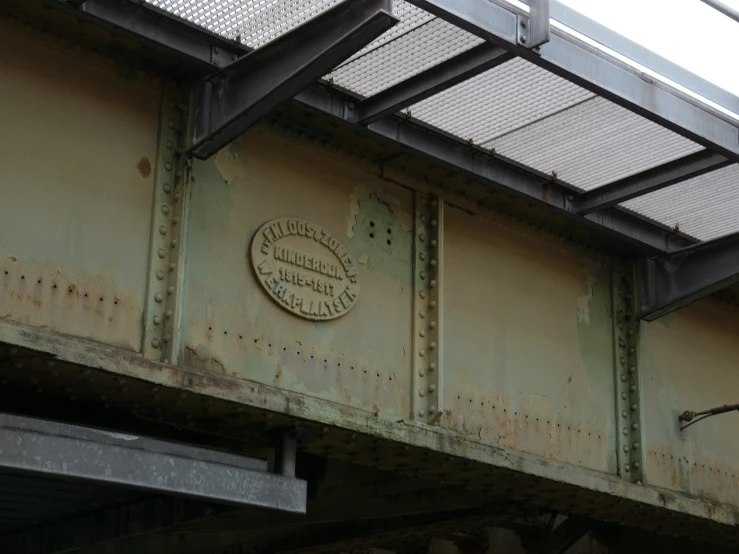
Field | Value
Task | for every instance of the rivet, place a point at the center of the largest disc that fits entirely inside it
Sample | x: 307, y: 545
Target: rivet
x: 167, y: 189
x: 421, y: 333
x: 168, y: 315
x: 432, y: 283
x: 635, y: 446
x: 421, y: 373
x: 160, y: 275
x: 432, y: 409
x: 157, y: 320
x: 432, y: 304
x: 432, y: 346
x: 623, y: 377
x: 422, y: 256
x: 632, y: 369
x: 432, y: 366
x: 421, y: 352
x: 632, y: 388
x: 165, y: 209
x: 423, y: 219
x: 162, y: 230
x: 155, y: 343
x: 172, y: 266
x: 624, y: 414
x: 631, y: 350
x: 167, y: 337
x: 432, y: 262
x: 175, y: 219
x: 433, y: 243
x: 626, y: 448
x: 422, y: 275
x: 422, y: 392
x: 636, y: 465
x: 165, y: 360
x: 622, y: 361
x: 161, y: 252
x: 432, y: 324
x: 422, y: 294
x: 422, y: 314
x: 158, y: 297
x: 170, y: 289
x: 170, y: 145
x: 433, y: 223
x: 626, y: 469
x: 626, y: 431
x: 422, y: 237
x: 420, y: 413
x: 168, y: 166
x: 623, y: 395
x: 432, y: 388
x: 177, y: 195
x: 634, y: 426
x: 170, y: 124
x: 174, y: 243
x: 633, y: 407
x: 630, y: 333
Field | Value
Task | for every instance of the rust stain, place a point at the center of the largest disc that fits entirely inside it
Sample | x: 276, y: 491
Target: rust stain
x: 144, y: 166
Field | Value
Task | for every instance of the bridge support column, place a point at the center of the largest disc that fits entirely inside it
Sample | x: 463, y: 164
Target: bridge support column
x: 630, y: 436
x: 168, y: 232
x: 428, y: 308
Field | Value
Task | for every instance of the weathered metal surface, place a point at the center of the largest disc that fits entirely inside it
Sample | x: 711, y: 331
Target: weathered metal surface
x: 527, y: 344
x: 77, y: 153
x: 361, y: 359
x: 689, y: 361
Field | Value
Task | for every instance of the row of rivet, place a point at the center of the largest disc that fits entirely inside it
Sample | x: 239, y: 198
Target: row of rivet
x: 626, y: 333
x: 166, y: 229
x: 426, y: 403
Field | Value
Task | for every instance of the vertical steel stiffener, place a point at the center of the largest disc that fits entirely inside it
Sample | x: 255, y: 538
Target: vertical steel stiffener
x: 427, y: 308
x: 630, y: 439
x: 166, y: 255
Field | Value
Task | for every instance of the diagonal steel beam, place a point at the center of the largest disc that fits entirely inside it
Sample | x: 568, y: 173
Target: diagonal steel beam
x: 687, y: 275
x: 575, y: 60
x: 234, y: 99
x: 430, y: 82
x: 671, y: 173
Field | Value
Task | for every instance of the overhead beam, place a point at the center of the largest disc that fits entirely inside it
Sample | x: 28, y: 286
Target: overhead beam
x: 723, y: 8
x: 671, y: 173
x: 430, y: 82
x: 44, y: 448
x: 234, y: 99
x: 155, y: 27
x: 573, y: 59
x: 687, y: 275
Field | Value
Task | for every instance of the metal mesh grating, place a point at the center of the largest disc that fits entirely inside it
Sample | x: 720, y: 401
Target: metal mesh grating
x: 704, y: 207
x: 407, y: 55
x: 593, y: 143
x: 499, y: 101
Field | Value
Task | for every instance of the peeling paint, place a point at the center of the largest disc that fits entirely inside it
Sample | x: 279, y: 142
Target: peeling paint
x: 229, y: 165
x: 365, y: 190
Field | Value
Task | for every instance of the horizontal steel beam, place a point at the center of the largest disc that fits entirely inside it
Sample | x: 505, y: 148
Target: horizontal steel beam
x: 155, y: 27
x: 52, y: 449
x: 430, y: 82
x: 234, y: 99
x: 479, y: 164
x: 671, y: 173
x: 723, y: 8
x: 687, y: 275
x: 573, y: 59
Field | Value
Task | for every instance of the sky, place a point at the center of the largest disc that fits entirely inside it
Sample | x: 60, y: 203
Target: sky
x: 687, y: 32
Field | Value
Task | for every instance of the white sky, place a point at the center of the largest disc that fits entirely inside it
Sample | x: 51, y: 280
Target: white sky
x: 687, y: 32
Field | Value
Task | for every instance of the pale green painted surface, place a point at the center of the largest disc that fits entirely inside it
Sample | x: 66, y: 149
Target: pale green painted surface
x: 76, y: 205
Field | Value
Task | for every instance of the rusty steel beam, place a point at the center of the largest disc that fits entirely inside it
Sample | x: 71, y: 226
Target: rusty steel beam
x: 234, y: 99
x: 676, y: 280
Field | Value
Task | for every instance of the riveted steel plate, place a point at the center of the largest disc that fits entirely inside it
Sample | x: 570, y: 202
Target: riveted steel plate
x: 304, y: 269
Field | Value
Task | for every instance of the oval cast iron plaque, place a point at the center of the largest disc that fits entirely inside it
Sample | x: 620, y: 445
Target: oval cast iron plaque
x: 304, y: 268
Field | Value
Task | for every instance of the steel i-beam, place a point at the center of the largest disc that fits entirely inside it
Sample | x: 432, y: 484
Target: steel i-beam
x: 234, y: 99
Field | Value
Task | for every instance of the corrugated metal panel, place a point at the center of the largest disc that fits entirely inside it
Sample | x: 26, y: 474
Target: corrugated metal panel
x: 407, y: 55
x: 593, y: 143
x: 705, y: 207
x: 499, y: 101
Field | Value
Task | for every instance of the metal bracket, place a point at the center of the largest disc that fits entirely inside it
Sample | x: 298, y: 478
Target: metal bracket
x: 168, y: 226
x: 534, y: 30
x: 427, y: 309
x: 628, y: 378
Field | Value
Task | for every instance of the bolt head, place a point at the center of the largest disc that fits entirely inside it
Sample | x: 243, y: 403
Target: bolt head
x: 158, y: 297
x: 155, y: 343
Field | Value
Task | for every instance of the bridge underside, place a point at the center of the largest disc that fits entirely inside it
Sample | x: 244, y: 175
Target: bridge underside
x: 454, y: 351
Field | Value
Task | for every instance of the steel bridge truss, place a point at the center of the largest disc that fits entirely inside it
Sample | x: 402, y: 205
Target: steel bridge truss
x: 238, y: 86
